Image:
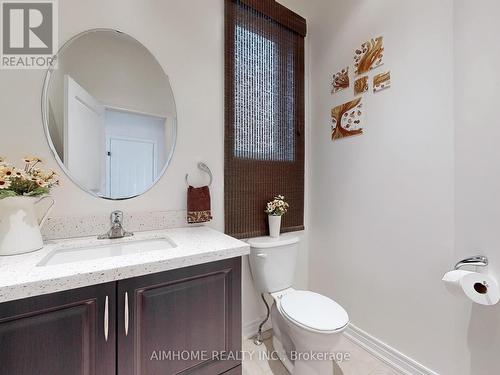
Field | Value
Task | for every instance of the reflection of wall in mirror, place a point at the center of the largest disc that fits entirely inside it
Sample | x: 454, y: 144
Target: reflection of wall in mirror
x: 116, y: 70
x: 56, y: 132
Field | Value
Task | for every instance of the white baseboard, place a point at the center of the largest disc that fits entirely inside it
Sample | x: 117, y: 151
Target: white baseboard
x: 250, y: 329
x: 390, y: 356
x: 387, y: 354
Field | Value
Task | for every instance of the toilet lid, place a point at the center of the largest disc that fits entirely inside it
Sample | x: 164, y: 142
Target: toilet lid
x: 314, y: 311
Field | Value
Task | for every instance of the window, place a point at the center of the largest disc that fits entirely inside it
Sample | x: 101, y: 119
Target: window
x: 264, y: 114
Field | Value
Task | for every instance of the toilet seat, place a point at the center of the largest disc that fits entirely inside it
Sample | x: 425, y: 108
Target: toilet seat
x: 313, y: 312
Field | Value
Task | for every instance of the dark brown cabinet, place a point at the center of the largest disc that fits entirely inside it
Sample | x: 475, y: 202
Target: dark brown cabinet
x: 184, y: 321
x: 63, y: 333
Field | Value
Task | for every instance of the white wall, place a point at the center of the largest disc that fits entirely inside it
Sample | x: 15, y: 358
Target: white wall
x: 187, y: 39
x: 382, y: 204
x: 189, y: 48
x: 477, y: 80
x: 394, y: 209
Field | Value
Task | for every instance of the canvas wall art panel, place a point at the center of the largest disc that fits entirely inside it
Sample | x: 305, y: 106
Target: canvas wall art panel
x: 369, y: 56
x: 340, y: 80
x: 381, y: 81
x: 346, y: 119
x: 361, y: 85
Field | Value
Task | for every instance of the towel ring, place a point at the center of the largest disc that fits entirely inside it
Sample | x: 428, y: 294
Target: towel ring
x: 203, y: 167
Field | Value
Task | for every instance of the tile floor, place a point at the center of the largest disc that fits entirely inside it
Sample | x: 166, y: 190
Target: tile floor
x: 360, y: 363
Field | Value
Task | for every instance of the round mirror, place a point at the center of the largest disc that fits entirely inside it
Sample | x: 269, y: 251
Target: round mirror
x: 109, y: 114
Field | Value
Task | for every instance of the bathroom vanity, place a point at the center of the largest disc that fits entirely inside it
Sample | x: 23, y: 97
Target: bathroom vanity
x: 164, y: 311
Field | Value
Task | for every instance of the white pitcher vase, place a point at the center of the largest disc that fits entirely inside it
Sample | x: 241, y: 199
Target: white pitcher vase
x: 274, y: 225
x: 20, y: 226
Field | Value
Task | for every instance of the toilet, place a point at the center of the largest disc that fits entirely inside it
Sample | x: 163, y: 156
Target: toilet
x: 306, y: 325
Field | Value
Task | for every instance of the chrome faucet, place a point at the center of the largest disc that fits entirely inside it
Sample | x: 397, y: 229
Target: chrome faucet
x: 116, y: 230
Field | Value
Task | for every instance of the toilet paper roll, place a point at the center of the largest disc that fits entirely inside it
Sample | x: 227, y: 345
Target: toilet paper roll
x: 478, y: 287
x: 452, y: 281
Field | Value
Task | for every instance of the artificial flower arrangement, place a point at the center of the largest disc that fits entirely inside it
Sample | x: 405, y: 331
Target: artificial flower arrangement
x: 30, y: 181
x: 277, y: 207
x: 275, y: 210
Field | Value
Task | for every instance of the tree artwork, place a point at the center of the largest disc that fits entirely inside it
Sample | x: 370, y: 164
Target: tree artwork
x: 340, y: 80
x: 346, y: 119
x: 369, y: 56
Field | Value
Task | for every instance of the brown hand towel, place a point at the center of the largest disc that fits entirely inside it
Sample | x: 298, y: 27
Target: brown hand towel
x: 198, y: 205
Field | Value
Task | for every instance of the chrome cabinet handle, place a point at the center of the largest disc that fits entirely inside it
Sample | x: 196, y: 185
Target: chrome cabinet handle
x: 106, y: 319
x: 126, y: 314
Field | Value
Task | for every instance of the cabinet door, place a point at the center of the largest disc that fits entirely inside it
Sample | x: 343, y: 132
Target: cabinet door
x: 60, y: 334
x: 181, y: 321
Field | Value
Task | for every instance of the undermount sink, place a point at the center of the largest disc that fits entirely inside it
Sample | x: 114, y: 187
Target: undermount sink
x: 106, y: 250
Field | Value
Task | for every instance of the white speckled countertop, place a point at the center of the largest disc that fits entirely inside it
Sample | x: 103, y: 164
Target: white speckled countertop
x: 21, y: 277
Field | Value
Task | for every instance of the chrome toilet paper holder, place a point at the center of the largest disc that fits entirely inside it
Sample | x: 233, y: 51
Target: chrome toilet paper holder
x: 477, y: 260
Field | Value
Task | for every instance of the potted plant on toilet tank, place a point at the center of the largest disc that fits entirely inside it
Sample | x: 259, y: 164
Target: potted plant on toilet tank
x: 275, y: 210
x: 20, y: 190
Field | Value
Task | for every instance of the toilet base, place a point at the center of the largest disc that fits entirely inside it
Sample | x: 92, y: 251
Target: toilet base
x: 303, y: 367
x: 278, y: 348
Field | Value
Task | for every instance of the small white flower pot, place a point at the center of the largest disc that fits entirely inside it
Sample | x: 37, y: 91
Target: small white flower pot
x: 274, y: 225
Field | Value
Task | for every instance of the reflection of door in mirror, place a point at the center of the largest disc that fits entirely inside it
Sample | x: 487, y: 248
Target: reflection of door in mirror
x: 131, y: 167
x: 83, y: 133
x: 136, y: 150
x: 111, y: 150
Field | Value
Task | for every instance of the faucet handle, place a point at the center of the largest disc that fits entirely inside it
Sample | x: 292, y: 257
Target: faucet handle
x: 117, y: 217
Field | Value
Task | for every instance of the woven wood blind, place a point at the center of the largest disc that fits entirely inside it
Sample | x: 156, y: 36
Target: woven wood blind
x: 264, y: 115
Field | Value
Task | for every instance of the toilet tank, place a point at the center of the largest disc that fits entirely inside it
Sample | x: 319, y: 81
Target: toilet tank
x: 272, y: 262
